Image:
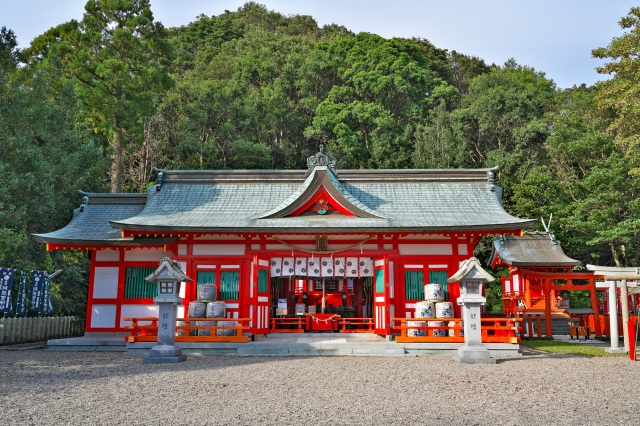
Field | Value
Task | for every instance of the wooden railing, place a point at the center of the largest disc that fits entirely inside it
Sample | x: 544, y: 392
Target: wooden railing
x: 355, y: 325
x: 494, y: 330
x: 289, y: 324
x: 201, y: 333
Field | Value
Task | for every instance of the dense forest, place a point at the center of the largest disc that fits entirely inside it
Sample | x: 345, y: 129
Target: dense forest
x: 95, y: 104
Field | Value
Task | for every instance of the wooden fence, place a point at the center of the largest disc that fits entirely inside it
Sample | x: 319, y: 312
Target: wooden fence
x: 37, y: 329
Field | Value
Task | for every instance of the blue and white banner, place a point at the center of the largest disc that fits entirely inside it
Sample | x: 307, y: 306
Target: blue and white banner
x: 6, y: 285
x: 22, y: 295
x: 37, y: 288
x: 47, y: 308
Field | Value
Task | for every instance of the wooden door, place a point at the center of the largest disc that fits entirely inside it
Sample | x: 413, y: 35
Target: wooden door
x: 381, y: 297
x: 261, y: 295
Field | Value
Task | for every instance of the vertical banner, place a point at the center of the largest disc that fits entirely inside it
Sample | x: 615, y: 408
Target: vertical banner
x: 6, y: 284
x: 47, y: 308
x: 351, y: 267
x: 301, y: 266
x: 37, y: 287
x: 288, y: 268
x: 313, y: 267
x: 326, y: 266
x: 340, y: 267
x: 22, y: 295
x: 276, y: 267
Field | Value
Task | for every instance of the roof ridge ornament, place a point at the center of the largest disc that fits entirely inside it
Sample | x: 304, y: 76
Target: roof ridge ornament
x: 321, y: 159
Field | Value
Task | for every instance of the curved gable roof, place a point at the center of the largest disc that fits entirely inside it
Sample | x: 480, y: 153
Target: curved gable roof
x: 537, y: 249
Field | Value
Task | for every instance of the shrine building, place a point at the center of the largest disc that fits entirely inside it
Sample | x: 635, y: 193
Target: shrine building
x: 354, y: 243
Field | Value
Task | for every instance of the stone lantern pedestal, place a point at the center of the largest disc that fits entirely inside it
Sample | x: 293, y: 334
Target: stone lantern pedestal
x: 169, y: 277
x: 471, y: 278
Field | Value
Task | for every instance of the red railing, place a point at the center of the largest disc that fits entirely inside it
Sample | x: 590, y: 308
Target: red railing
x: 193, y: 330
x: 355, y: 325
x: 289, y: 324
x: 493, y: 330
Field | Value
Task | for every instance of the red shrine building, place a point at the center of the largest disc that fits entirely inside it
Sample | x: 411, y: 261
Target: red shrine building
x: 354, y: 243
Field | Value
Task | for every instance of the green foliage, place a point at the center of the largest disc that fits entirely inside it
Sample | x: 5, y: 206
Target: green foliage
x: 117, y: 58
x: 115, y: 93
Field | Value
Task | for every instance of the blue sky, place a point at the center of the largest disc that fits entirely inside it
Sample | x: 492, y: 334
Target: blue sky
x: 554, y: 36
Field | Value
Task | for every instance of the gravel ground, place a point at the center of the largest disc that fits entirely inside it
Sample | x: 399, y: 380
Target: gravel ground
x: 42, y: 388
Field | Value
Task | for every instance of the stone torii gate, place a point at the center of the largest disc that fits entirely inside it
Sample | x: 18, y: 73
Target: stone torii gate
x: 615, y: 274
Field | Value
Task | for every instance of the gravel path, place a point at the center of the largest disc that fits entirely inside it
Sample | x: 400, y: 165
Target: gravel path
x: 42, y: 388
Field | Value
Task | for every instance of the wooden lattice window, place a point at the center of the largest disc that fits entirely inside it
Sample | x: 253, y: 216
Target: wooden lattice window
x: 229, y: 285
x: 414, y: 285
x: 135, y: 286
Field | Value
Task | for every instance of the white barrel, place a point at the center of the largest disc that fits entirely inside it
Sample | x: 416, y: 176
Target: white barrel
x: 226, y: 332
x: 452, y: 332
x: 207, y: 292
x: 197, y: 309
x: 216, y: 309
x: 438, y: 332
x: 425, y: 310
x: 444, y: 310
x: 433, y: 292
x: 180, y: 330
x: 205, y: 331
x: 412, y: 332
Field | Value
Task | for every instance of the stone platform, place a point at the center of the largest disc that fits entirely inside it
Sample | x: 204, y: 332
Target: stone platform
x: 285, y: 344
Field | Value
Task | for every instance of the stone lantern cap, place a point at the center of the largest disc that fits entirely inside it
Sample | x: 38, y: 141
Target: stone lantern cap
x: 168, y: 270
x: 470, y: 270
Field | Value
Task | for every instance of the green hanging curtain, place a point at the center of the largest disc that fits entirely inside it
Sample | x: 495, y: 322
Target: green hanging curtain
x: 414, y: 285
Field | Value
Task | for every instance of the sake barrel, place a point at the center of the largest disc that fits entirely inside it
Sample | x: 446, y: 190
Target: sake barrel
x: 444, y: 310
x: 216, y: 309
x: 180, y: 330
x: 205, y: 331
x: 412, y: 332
x: 207, y: 292
x: 433, y: 292
x: 425, y: 310
x: 452, y: 332
x: 438, y: 332
x: 226, y: 332
x: 197, y: 309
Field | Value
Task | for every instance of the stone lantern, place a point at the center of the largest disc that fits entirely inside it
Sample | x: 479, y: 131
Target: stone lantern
x: 169, y: 278
x: 471, y: 278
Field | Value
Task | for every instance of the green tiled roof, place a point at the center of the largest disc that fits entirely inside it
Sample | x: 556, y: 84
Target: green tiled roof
x: 531, y: 249
x: 393, y: 200
x: 90, y: 222
x: 415, y: 201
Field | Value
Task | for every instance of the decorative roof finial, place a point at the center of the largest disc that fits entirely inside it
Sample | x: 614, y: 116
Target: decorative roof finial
x: 321, y: 159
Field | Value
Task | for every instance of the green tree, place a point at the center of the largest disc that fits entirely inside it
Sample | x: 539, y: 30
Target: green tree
x: 117, y: 58
x: 618, y: 94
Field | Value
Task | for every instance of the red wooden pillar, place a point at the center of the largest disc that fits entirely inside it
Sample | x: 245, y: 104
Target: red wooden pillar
x: 594, y: 305
x: 547, y: 306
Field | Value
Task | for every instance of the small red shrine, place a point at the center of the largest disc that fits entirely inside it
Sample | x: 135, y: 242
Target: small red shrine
x: 538, y: 272
x: 359, y: 243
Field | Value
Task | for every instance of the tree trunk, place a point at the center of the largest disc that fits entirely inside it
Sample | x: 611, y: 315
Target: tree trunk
x: 117, y: 163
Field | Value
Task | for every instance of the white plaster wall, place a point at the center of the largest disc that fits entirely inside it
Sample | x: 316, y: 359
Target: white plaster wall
x: 105, y: 282
x: 146, y: 255
x: 408, y: 249
x: 129, y: 311
x: 103, y: 316
x: 107, y: 255
x: 221, y: 249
